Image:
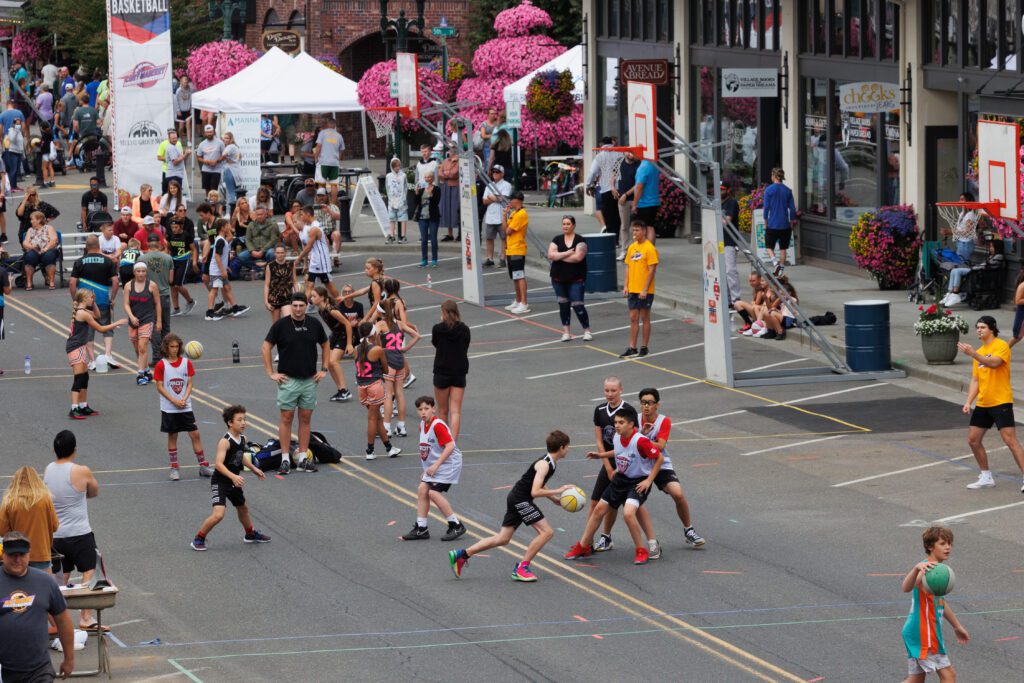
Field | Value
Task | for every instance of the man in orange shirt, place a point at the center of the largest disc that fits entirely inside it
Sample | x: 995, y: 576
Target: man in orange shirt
x: 641, y: 264
x: 990, y: 387
x: 515, y: 223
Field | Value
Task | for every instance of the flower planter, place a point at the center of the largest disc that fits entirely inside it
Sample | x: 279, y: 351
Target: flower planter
x: 940, y: 348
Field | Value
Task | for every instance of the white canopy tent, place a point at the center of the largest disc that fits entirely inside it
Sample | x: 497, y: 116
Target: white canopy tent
x: 311, y: 87
x: 571, y: 59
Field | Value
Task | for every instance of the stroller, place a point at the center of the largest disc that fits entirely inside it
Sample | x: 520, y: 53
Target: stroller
x: 933, y: 274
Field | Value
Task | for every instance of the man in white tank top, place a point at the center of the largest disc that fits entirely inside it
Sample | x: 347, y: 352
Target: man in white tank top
x: 70, y: 485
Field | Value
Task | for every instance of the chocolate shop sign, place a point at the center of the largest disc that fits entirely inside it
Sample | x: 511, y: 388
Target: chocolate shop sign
x: 869, y: 97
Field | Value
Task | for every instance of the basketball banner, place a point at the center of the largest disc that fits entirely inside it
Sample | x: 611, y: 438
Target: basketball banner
x: 140, y: 73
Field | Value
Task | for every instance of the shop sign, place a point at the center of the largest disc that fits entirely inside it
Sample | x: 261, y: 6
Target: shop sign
x: 869, y: 97
x: 644, y: 70
x: 892, y: 132
x: 289, y: 41
x: 750, y: 82
x: 815, y: 123
x: 514, y: 114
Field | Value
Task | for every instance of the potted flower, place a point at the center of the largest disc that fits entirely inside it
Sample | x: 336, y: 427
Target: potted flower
x: 886, y: 243
x: 748, y: 204
x: 940, y: 330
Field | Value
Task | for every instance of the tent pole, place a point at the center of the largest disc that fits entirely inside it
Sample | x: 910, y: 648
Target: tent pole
x: 366, y: 149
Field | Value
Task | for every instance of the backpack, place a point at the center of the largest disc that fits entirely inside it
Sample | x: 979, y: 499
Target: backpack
x: 322, y: 451
x: 268, y: 457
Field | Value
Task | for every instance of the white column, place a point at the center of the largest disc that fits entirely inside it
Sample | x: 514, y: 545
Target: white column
x: 792, y: 135
x: 592, y: 105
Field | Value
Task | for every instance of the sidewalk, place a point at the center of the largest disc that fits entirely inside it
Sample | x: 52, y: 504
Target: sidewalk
x: 679, y: 287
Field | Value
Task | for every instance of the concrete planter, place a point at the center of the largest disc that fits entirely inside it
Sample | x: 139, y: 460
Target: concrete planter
x: 940, y: 349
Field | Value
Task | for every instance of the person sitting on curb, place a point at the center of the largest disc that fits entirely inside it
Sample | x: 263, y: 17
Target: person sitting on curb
x: 994, y: 261
x: 748, y: 310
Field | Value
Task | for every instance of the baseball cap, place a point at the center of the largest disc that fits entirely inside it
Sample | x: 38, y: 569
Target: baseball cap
x: 497, y: 167
x: 126, y: 210
x: 321, y: 190
x: 148, y: 220
x: 68, y: 86
x: 153, y: 238
x: 16, y: 542
x: 724, y: 186
x: 207, y: 128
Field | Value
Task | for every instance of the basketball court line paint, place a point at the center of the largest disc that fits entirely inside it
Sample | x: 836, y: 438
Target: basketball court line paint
x: 944, y: 461
x: 978, y: 512
x: 616, y: 362
x: 794, y: 445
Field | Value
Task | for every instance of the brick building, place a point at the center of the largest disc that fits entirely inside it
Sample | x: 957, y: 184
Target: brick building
x: 350, y: 31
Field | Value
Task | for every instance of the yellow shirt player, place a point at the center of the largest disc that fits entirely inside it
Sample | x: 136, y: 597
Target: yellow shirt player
x: 641, y: 264
x: 515, y: 222
x: 992, y: 397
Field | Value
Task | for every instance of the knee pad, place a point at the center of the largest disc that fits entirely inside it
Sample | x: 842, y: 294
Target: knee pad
x: 80, y: 382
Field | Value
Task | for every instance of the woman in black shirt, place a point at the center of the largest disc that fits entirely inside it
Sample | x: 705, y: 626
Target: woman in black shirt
x: 451, y: 364
x: 568, y: 255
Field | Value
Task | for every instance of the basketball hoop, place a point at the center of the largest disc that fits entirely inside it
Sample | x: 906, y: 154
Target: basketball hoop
x: 947, y: 210
x: 384, y: 119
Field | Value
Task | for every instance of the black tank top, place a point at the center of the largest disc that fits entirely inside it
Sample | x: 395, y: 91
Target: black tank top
x: 142, y: 304
x: 368, y: 371
x: 522, y: 489
x: 232, y: 459
x: 78, y: 336
x: 336, y: 327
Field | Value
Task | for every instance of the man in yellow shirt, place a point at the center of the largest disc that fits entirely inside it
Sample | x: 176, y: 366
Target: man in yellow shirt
x: 515, y: 222
x: 990, y: 386
x: 641, y: 264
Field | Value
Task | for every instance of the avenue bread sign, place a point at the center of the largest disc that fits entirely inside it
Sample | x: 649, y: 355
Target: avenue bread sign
x: 645, y: 70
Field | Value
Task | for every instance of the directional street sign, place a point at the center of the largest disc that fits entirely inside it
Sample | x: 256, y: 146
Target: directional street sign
x: 444, y: 31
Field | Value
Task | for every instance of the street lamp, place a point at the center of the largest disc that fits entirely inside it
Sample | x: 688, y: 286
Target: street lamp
x: 227, y: 9
x: 401, y: 24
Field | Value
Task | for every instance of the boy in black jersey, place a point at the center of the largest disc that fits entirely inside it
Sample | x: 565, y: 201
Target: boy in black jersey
x: 227, y: 481
x: 520, y: 509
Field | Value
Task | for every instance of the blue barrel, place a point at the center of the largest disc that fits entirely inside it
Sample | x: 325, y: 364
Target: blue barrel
x: 601, y: 273
x: 867, y: 335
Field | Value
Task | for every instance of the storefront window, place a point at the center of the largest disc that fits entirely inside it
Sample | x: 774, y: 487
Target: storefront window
x: 739, y: 133
x: 891, y: 190
x: 856, y: 165
x: 837, y: 28
x: 990, y: 46
x: 816, y: 146
x: 973, y: 24
x: 953, y: 31
x: 706, y: 105
x: 1010, y: 34
x: 609, y: 120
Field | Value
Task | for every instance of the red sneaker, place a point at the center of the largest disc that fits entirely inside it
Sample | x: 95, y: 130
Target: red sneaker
x: 578, y: 551
x: 642, y: 556
x: 523, y: 573
x: 744, y: 328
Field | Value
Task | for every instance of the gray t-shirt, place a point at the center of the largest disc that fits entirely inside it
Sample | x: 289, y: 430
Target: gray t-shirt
x: 24, y: 603
x: 171, y: 153
x: 331, y: 145
x: 211, y: 149
x: 87, y: 118
x: 183, y: 99
x: 70, y: 103
x: 160, y: 266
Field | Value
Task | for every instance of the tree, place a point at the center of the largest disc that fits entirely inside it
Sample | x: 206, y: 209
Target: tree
x: 81, y: 28
x: 566, y: 16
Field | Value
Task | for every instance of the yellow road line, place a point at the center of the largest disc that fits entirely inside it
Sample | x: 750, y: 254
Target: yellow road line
x: 732, y: 654
x: 749, y: 394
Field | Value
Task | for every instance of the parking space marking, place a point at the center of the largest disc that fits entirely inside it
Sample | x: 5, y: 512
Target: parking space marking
x: 909, y: 469
x: 794, y: 445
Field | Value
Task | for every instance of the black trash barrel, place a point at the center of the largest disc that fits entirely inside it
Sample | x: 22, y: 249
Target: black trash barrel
x: 344, y: 224
x: 601, y: 275
x: 867, y: 335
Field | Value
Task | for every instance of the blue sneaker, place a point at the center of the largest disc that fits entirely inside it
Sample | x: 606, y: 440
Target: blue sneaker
x: 423, y: 263
x: 458, y: 560
x: 198, y: 543
x: 256, y: 537
x: 141, y: 379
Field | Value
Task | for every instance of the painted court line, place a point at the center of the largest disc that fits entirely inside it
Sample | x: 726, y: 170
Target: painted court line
x: 834, y: 393
x: 710, y: 417
x: 557, y: 340
x: 794, y: 445
x: 697, y: 381
x: 979, y: 512
x: 614, y: 362
x: 906, y: 469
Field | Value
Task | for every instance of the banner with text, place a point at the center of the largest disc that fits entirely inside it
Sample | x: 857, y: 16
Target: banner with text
x: 245, y: 128
x: 139, y: 57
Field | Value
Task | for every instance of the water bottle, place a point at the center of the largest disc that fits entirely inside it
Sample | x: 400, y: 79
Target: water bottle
x: 430, y: 282
x: 235, y: 356
x: 28, y: 365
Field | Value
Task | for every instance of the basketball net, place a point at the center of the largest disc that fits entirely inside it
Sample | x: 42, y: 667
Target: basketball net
x: 950, y: 215
x: 609, y: 162
x: 383, y: 121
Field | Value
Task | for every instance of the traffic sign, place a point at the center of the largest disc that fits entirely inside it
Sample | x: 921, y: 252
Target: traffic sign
x: 513, y: 114
x: 444, y: 31
x: 393, y: 85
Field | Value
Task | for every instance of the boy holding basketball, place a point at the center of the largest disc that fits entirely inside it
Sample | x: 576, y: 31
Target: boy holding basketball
x: 520, y: 509
x: 922, y: 632
x: 173, y: 375
x: 637, y: 464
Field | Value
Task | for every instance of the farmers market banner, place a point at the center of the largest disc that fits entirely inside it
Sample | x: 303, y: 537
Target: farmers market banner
x: 139, y: 55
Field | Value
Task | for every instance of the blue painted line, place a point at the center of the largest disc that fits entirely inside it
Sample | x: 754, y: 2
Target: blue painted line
x: 116, y: 640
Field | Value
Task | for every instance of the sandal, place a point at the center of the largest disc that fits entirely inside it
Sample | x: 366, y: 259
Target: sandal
x: 92, y: 628
x: 52, y: 287
x: 28, y: 288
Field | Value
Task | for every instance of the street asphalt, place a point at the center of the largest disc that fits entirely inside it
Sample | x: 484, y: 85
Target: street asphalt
x: 812, y: 498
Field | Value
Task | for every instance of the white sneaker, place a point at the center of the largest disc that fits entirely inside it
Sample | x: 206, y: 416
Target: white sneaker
x: 953, y: 300
x: 511, y: 306
x: 91, y: 366
x: 985, y: 481
x: 175, y: 476
x: 760, y: 332
x: 371, y: 456
x: 520, y: 309
x: 587, y: 336
x: 566, y: 337
x: 622, y: 255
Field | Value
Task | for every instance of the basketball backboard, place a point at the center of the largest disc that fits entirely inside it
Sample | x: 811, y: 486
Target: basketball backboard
x: 642, y: 114
x: 408, y: 84
x: 999, y: 167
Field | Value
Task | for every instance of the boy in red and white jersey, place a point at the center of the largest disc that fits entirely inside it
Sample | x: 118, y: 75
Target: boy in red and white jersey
x: 173, y: 376
x: 637, y: 463
x: 657, y: 428
x: 442, y: 465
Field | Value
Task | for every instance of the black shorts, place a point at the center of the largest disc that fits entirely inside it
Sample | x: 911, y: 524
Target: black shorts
x: 178, y: 423
x: 521, y: 512
x: 620, y: 489
x: 79, y: 553
x: 211, y: 180
x: 322, y: 277
x: 181, y: 269
x: 449, y: 381
x: 337, y: 341
x: 516, y: 267
x: 438, y: 486
x: 182, y: 116
x: 126, y: 273
x: 1001, y: 416
x: 635, y: 303
x: 664, y: 478
x: 223, y: 491
x: 600, y: 485
x: 777, y: 239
